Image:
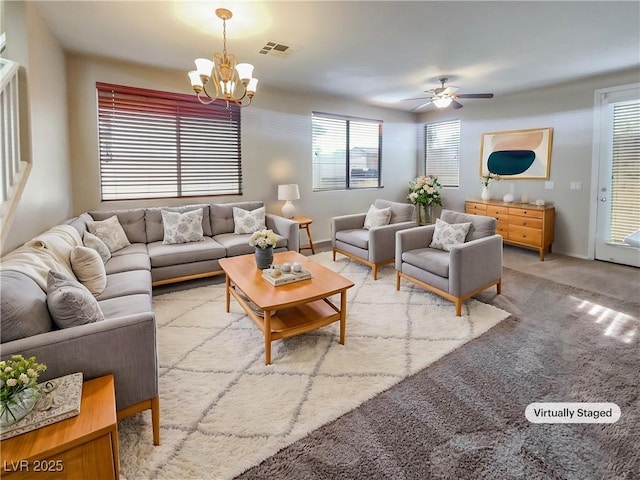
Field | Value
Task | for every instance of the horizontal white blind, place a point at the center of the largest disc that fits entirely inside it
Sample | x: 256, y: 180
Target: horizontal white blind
x: 625, y: 174
x: 157, y: 144
x: 346, y: 152
x: 442, y: 152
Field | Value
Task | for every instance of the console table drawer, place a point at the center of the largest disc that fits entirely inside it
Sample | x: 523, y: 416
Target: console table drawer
x: 530, y: 236
x: 524, y: 212
x: 526, y: 222
x: 475, y: 208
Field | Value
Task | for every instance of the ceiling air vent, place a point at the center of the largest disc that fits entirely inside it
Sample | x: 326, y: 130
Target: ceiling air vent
x: 278, y: 49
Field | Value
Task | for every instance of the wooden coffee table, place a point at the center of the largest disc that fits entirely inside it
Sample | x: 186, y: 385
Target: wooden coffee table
x: 291, y: 309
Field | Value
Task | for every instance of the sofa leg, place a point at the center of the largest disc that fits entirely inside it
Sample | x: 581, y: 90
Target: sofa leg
x: 374, y: 270
x: 334, y: 255
x: 499, y: 286
x: 155, y: 419
x: 458, y: 303
x: 397, y: 280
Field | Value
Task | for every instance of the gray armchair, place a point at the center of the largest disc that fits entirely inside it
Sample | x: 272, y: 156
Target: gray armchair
x: 373, y: 247
x: 458, y: 274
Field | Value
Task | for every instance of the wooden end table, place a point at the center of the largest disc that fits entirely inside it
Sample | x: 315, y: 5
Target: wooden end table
x: 305, y: 223
x: 299, y: 307
x: 84, y: 446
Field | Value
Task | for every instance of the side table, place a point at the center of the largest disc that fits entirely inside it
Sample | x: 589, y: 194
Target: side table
x: 304, y: 223
x: 84, y: 446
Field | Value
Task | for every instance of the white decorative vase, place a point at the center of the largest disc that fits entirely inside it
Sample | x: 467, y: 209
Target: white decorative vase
x: 485, y: 195
x: 508, y: 198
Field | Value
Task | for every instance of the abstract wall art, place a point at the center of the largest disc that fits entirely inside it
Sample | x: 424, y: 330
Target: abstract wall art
x: 517, y: 154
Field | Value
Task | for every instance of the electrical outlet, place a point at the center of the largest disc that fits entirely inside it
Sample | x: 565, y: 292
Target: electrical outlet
x: 549, y: 185
x: 575, y: 185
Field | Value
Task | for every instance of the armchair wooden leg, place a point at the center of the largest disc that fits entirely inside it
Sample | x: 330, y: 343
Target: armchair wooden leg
x: 155, y: 419
x: 458, y: 303
x: 374, y: 270
x: 397, y: 280
x: 499, y: 286
x: 334, y: 255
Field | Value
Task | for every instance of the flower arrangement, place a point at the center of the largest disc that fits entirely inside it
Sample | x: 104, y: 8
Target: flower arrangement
x: 17, y: 375
x: 263, y: 239
x: 487, y: 177
x: 425, y: 190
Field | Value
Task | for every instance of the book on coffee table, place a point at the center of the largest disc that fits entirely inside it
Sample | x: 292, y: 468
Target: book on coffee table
x: 59, y: 400
x: 285, y: 277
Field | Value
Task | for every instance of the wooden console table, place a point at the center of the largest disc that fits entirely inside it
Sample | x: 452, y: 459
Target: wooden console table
x: 84, y: 446
x: 520, y: 224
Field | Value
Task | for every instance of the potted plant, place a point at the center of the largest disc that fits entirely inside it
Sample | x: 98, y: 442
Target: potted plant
x: 18, y: 387
x: 424, y: 192
x: 264, y: 241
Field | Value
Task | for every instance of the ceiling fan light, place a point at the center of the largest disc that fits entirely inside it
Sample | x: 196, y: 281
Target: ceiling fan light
x: 442, y: 102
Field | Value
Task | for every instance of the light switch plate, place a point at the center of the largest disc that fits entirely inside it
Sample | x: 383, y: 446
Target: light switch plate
x: 549, y: 185
x: 575, y: 185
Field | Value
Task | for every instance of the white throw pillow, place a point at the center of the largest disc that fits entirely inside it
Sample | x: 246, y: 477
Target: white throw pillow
x: 245, y: 221
x: 91, y: 241
x: 377, y: 217
x: 110, y: 232
x: 70, y: 303
x: 182, y: 227
x: 448, y: 235
x: 88, y: 267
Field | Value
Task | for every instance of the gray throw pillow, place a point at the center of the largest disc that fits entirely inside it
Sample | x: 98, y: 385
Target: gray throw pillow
x: 182, y: 227
x: 448, y: 235
x: 245, y: 221
x: 377, y: 217
x: 110, y: 232
x: 91, y: 241
x: 70, y: 303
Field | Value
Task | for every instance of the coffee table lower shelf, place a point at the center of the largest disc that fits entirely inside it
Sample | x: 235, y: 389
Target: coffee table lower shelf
x: 294, y: 320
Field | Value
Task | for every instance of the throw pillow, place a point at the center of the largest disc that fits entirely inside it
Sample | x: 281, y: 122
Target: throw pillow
x: 245, y: 221
x: 182, y: 227
x: 110, y: 232
x: 91, y: 241
x: 70, y: 303
x: 88, y: 267
x: 377, y: 217
x: 448, y: 235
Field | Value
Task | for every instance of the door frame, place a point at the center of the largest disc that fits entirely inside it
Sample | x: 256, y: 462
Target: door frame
x: 599, y: 97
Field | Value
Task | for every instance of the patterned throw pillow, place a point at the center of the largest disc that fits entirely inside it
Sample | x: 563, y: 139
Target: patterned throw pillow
x: 448, y: 235
x: 88, y: 267
x: 91, y: 241
x: 70, y: 303
x: 110, y: 232
x: 182, y: 227
x: 245, y: 221
x: 377, y: 217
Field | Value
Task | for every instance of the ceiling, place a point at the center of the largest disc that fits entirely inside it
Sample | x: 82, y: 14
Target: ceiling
x: 376, y: 52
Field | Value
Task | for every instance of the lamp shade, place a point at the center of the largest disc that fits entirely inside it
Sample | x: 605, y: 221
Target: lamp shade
x: 288, y: 192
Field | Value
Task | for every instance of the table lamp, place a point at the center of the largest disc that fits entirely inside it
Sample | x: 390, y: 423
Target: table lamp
x: 288, y: 192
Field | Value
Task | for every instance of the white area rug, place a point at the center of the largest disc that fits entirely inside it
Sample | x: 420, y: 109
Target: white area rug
x: 223, y: 410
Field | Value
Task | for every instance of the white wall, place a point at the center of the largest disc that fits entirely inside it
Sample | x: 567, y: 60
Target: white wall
x: 46, y: 199
x: 568, y: 108
x: 276, y: 144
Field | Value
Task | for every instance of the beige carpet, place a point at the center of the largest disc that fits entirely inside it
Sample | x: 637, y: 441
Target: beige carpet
x: 223, y: 410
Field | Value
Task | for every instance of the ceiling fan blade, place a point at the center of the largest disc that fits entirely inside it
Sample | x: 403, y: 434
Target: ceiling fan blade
x: 474, y: 95
x: 417, y: 98
x: 456, y: 105
x: 420, y: 106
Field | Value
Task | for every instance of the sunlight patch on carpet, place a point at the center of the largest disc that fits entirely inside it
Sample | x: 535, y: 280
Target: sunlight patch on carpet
x: 223, y: 411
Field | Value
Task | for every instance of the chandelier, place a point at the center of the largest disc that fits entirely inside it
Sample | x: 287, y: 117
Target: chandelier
x: 233, y: 82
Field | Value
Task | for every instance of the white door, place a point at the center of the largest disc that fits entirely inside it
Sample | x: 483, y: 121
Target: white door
x: 617, y: 160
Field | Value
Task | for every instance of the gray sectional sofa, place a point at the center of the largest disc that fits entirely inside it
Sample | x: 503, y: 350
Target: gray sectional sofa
x: 124, y: 342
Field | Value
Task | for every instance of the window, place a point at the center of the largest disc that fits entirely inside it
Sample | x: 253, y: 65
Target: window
x: 347, y: 152
x: 157, y: 144
x: 442, y: 152
x: 625, y: 172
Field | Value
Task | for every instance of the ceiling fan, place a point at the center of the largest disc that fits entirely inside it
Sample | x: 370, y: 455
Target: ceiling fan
x: 443, y: 96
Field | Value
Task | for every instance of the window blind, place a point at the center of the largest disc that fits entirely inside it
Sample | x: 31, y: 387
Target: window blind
x: 347, y: 152
x: 156, y: 144
x: 442, y: 152
x: 625, y: 174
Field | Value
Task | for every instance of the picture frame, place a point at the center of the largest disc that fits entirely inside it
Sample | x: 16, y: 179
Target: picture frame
x: 517, y: 154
